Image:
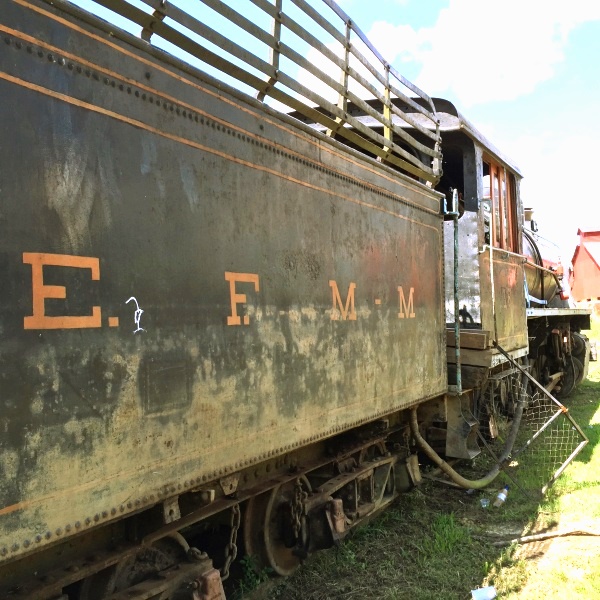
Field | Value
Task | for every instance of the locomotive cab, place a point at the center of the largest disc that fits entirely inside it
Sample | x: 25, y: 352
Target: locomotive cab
x: 508, y: 284
x: 490, y: 275
x: 503, y: 292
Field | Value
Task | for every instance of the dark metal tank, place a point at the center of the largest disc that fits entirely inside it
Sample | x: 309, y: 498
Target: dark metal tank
x: 542, y: 271
x: 191, y: 282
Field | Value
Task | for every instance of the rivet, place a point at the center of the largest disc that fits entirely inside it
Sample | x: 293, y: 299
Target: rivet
x: 145, y: 499
x: 96, y: 517
x: 19, y: 45
x: 137, y: 502
x: 67, y: 528
x: 7, y: 41
x: 77, y: 524
x: 113, y: 511
x: 38, y: 538
x: 48, y: 535
x: 59, y: 531
x: 4, y: 551
x: 129, y: 505
x: 14, y: 547
x: 88, y: 521
x: 122, y: 508
x: 104, y: 514
x: 26, y: 544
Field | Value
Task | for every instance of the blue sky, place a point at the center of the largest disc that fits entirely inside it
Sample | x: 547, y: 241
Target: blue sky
x: 525, y: 72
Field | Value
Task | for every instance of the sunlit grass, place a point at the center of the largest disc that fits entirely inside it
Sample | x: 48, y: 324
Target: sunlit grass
x: 570, y: 567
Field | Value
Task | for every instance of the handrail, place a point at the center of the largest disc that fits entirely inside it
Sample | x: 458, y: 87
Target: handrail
x: 313, y: 37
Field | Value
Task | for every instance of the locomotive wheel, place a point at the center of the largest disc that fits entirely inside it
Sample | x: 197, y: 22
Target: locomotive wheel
x: 578, y: 345
x: 130, y: 571
x: 371, y: 452
x: 572, y: 377
x: 578, y: 371
x: 268, y: 533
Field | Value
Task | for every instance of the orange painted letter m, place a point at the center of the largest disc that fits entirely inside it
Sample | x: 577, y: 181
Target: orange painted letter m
x: 347, y: 312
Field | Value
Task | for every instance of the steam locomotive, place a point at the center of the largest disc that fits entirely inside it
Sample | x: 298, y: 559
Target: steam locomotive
x: 227, y: 325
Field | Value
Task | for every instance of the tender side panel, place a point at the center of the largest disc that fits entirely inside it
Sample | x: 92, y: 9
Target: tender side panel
x: 189, y: 284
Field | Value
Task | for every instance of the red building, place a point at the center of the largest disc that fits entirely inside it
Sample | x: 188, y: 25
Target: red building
x: 585, y: 276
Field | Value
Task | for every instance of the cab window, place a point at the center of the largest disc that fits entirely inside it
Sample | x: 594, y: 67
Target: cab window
x: 499, y: 206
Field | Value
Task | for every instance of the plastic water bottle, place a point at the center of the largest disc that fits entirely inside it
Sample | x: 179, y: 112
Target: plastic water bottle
x: 501, y: 497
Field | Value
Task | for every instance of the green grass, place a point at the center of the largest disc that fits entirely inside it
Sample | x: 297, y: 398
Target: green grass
x: 436, y: 542
x: 573, y: 502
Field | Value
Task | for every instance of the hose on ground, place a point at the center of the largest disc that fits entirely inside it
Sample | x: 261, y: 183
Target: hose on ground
x: 475, y: 484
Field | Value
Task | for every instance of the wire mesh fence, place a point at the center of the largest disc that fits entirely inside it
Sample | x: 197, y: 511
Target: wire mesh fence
x: 546, y: 437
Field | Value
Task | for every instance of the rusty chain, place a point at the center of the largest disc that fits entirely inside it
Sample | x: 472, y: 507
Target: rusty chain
x: 298, y: 508
x: 231, y: 548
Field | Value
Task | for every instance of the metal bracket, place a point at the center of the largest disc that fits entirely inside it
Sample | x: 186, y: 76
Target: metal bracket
x: 158, y: 16
x: 171, y: 510
x: 229, y: 484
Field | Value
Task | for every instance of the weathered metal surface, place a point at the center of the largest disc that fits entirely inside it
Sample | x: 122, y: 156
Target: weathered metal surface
x: 503, y: 298
x: 191, y: 283
x: 543, y: 284
x: 469, y: 285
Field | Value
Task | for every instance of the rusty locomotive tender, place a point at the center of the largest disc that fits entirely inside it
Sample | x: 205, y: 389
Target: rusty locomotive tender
x: 228, y: 323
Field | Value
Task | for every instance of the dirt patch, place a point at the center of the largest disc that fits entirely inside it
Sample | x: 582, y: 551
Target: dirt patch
x: 571, y: 558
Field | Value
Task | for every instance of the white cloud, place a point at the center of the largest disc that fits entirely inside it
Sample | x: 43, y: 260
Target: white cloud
x: 555, y: 185
x: 399, y: 42
x: 482, y: 51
